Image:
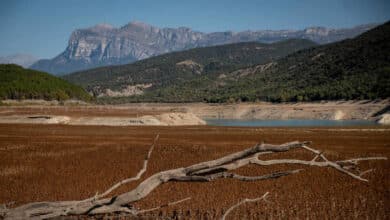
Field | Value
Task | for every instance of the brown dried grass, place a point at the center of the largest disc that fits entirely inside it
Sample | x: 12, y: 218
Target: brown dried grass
x: 59, y: 162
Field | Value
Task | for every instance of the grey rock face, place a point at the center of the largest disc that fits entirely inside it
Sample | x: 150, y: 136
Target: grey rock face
x: 103, y: 44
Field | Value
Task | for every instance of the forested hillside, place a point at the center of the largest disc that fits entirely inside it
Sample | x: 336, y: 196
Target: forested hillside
x: 19, y: 83
x: 351, y: 69
x: 356, y: 68
x: 176, y: 68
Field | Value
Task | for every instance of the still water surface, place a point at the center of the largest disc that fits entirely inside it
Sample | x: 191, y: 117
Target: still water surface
x: 286, y: 123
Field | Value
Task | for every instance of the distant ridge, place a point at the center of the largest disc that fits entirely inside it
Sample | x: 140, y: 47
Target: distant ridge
x: 169, y: 70
x: 24, y: 60
x: 351, y: 69
x: 103, y: 44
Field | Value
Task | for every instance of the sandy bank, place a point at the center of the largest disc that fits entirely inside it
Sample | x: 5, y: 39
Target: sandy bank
x: 384, y: 119
x: 325, y: 111
x: 192, y: 113
x: 166, y: 119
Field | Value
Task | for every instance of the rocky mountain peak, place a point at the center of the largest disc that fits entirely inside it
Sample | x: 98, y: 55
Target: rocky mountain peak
x: 104, y: 44
x: 102, y: 27
x: 322, y: 31
x: 138, y: 25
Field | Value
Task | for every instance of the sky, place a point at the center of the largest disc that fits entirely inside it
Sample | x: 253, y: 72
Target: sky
x: 42, y: 27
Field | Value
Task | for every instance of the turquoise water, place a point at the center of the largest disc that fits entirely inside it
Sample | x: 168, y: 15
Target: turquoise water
x: 286, y: 123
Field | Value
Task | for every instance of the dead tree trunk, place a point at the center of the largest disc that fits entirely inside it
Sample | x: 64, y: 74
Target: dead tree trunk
x: 204, y: 171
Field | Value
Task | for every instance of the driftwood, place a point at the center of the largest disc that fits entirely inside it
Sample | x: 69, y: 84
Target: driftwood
x: 264, y: 197
x: 204, y: 171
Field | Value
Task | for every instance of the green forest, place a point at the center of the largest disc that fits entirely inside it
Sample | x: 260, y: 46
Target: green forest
x: 19, y: 83
x: 352, y: 69
x: 171, y: 70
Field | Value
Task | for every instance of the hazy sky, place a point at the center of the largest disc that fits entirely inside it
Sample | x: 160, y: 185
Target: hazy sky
x: 42, y: 27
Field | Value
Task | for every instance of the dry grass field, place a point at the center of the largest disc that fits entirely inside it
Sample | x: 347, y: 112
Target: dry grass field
x: 62, y: 162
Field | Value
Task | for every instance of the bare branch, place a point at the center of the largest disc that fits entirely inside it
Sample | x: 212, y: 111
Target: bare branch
x: 243, y: 154
x: 3, y: 210
x: 251, y: 178
x: 308, y: 162
x: 204, y: 171
x: 355, y: 161
x: 137, y: 177
x: 365, y: 172
x: 243, y: 202
x: 165, y: 205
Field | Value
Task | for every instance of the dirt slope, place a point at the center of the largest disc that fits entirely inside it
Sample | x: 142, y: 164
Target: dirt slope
x: 362, y: 110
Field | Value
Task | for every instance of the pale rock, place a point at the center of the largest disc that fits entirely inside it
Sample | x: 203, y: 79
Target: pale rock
x: 104, y: 44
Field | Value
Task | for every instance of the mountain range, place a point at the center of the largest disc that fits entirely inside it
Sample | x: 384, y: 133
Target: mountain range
x: 104, y: 44
x: 24, y: 60
x: 176, y: 67
x: 290, y: 70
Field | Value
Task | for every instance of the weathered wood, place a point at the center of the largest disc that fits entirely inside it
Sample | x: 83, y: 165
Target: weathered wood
x: 201, y: 172
x: 243, y: 202
x: 125, y: 181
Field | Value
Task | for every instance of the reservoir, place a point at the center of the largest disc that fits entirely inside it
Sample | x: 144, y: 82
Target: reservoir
x: 287, y: 123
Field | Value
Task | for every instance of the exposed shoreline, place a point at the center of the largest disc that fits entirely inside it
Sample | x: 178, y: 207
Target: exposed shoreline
x: 165, y: 119
x: 186, y: 113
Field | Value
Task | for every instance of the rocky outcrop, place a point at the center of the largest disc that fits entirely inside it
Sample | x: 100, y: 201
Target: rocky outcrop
x: 190, y: 65
x: 180, y: 119
x: 106, y: 45
x: 338, y: 115
x: 384, y: 119
x: 128, y: 91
